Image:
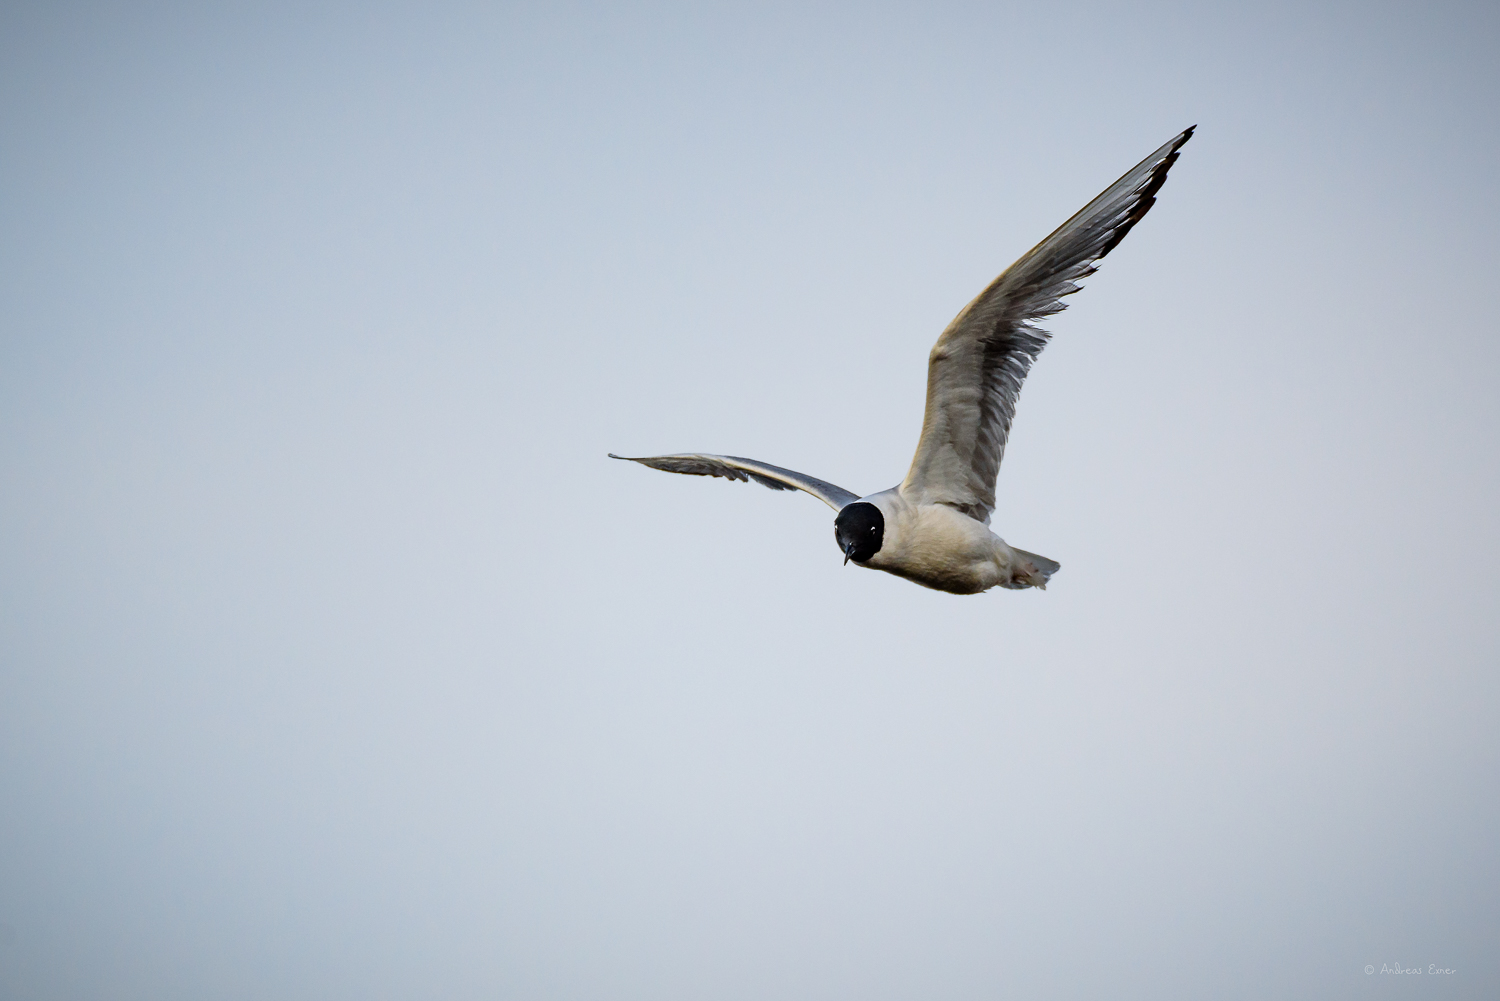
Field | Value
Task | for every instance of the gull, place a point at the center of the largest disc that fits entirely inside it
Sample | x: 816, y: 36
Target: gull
x: 933, y: 527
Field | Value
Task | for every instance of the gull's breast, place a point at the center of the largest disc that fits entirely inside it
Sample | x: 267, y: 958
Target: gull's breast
x: 939, y: 547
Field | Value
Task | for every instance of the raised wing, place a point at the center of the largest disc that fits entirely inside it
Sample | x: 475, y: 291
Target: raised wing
x: 975, y: 371
x: 732, y: 467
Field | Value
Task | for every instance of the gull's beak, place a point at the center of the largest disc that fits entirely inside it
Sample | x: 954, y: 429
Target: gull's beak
x: 848, y: 551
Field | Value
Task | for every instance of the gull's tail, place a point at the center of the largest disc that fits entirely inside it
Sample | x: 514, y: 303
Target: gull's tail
x: 1032, y: 570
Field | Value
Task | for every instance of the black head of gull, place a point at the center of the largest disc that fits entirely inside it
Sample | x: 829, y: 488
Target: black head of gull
x: 860, y: 531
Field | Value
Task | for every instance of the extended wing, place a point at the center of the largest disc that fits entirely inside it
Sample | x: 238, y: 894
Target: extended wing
x: 732, y: 467
x: 975, y: 371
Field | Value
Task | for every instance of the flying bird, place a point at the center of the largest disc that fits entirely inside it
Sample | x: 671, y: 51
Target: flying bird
x: 933, y: 527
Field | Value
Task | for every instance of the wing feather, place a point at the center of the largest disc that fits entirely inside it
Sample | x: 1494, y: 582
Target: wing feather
x: 976, y: 369
x: 733, y: 467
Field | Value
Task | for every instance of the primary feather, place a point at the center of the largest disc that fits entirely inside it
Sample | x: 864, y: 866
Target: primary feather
x: 733, y: 467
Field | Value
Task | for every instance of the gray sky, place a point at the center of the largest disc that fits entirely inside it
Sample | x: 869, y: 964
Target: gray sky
x: 336, y: 661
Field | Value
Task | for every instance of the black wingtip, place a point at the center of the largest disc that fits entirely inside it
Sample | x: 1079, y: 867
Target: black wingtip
x: 1146, y: 196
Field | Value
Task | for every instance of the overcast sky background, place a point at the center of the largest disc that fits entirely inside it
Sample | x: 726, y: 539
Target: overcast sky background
x: 337, y: 661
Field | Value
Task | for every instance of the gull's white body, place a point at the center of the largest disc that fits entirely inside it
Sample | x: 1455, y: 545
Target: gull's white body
x: 939, y: 547
x: 933, y: 528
